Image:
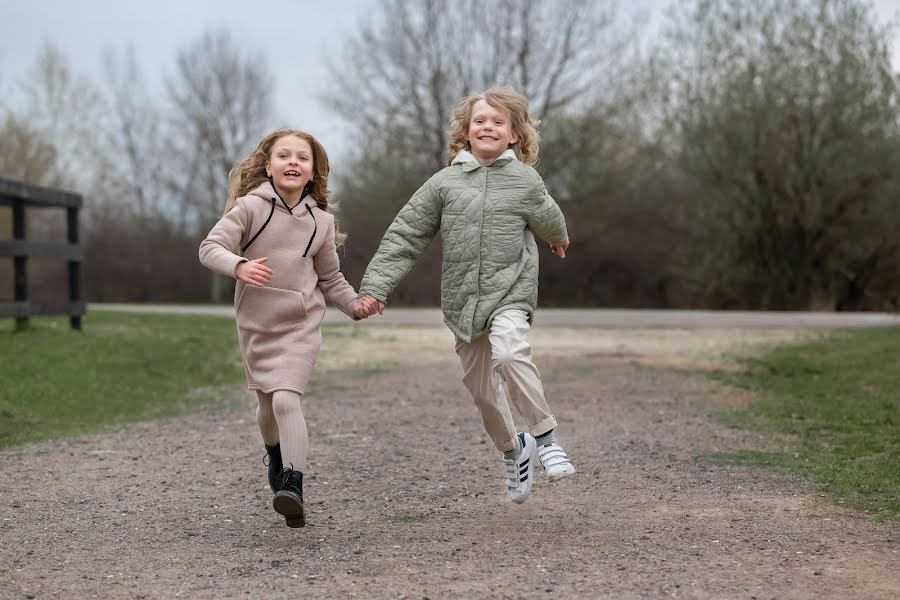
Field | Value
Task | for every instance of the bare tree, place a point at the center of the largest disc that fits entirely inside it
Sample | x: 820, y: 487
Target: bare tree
x: 786, y: 114
x: 130, y: 210
x: 401, y: 75
x: 68, y: 113
x: 135, y: 161
x: 221, y: 97
x: 26, y: 155
x: 47, y: 138
x: 49, y: 130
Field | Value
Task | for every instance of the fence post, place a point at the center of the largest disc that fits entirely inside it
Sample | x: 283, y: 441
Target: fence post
x: 21, y: 197
x: 74, y: 265
x: 20, y: 279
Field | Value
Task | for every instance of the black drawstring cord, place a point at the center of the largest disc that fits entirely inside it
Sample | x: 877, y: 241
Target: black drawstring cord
x: 253, y: 239
x: 315, y: 228
x: 272, y: 212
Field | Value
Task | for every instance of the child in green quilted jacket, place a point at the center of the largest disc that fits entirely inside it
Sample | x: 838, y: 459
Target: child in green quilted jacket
x: 488, y: 204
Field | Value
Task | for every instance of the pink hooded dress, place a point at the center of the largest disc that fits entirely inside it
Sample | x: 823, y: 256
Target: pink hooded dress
x: 279, y: 324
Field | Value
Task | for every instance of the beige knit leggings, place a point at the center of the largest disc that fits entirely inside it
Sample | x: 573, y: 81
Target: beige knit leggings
x: 281, y: 420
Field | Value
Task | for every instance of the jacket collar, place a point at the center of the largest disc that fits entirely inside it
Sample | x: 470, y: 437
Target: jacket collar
x: 267, y: 192
x: 470, y: 163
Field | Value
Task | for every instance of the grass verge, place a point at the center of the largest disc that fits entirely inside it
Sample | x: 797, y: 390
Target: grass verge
x: 839, y: 400
x: 119, y: 368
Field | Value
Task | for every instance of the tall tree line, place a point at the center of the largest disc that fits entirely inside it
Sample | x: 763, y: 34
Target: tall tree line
x: 744, y: 159
x: 152, y: 167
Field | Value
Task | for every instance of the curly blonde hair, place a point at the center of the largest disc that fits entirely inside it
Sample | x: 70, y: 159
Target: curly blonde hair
x: 508, y: 100
x: 250, y: 173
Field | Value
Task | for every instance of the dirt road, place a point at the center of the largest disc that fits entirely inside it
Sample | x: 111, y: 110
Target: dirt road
x: 405, y: 493
x: 578, y: 317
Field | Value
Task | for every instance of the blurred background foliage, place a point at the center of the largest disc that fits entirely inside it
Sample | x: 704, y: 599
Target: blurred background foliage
x: 743, y: 157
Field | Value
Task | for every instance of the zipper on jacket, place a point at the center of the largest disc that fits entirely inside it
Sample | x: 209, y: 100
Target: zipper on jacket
x: 480, y: 235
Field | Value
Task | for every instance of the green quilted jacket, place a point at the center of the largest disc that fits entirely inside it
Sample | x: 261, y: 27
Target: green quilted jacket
x: 487, y: 217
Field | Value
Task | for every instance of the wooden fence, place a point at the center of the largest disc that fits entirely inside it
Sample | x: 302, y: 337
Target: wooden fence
x: 20, y: 197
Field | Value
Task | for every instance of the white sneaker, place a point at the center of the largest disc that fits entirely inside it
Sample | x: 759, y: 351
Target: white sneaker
x: 555, y: 462
x: 520, y: 470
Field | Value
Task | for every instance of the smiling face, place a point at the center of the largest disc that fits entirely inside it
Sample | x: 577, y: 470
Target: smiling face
x: 490, y: 132
x: 290, y: 165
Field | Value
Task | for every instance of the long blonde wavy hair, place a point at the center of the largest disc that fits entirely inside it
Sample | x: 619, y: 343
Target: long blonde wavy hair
x: 250, y: 173
x: 505, y: 99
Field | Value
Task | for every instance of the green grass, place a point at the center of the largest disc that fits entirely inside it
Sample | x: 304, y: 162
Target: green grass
x: 839, y: 400
x: 120, y: 368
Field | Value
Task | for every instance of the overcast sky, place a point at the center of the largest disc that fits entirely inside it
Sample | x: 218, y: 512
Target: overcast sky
x: 299, y: 33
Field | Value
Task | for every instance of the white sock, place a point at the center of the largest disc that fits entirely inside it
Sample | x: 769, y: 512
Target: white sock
x: 514, y: 453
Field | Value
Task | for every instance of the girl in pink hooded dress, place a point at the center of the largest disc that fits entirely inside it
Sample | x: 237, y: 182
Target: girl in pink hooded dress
x: 278, y: 239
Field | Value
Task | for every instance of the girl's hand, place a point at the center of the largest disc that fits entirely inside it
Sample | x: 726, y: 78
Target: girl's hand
x: 559, y: 250
x: 360, y: 310
x: 254, y: 272
x: 371, y: 305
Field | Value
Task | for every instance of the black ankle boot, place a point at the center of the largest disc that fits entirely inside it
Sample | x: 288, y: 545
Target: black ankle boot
x: 273, y: 453
x: 288, y: 500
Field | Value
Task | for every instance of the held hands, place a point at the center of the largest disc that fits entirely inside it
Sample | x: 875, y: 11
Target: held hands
x: 559, y: 250
x: 254, y: 272
x: 366, y: 306
x: 360, y: 311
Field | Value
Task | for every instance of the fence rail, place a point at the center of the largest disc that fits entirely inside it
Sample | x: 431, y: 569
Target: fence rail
x: 21, y: 196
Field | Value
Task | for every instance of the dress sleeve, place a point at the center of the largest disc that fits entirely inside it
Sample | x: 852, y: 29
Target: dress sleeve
x: 331, y: 281
x: 219, y: 251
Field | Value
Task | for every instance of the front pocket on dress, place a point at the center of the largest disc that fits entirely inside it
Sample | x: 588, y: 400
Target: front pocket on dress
x: 269, y: 310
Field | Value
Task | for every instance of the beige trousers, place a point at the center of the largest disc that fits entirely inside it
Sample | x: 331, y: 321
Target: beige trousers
x: 503, y: 356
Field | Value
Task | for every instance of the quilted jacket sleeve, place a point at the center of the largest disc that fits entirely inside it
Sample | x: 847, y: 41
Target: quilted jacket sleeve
x: 412, y: 230
x: 219, y: 251
x: 544, y: 217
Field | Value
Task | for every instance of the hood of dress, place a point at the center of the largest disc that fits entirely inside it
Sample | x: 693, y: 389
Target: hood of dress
x: 267, y: 192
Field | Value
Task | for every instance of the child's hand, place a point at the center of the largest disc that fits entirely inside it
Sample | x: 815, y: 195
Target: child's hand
x: 371, y: 305
x: 254, y: 272
x: 360, y: 310
x: 559, y: 250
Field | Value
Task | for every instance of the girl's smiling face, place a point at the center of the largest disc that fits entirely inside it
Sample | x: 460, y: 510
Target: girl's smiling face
x: 290, y: 166
x: 490, y: 132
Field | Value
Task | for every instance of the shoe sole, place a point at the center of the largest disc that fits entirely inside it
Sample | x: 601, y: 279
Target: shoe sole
x: 290, y: 507
x: 558, y: 476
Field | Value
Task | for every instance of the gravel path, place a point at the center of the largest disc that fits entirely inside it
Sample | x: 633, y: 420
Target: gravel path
x: 578, y: 317
x: 405, y: 500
